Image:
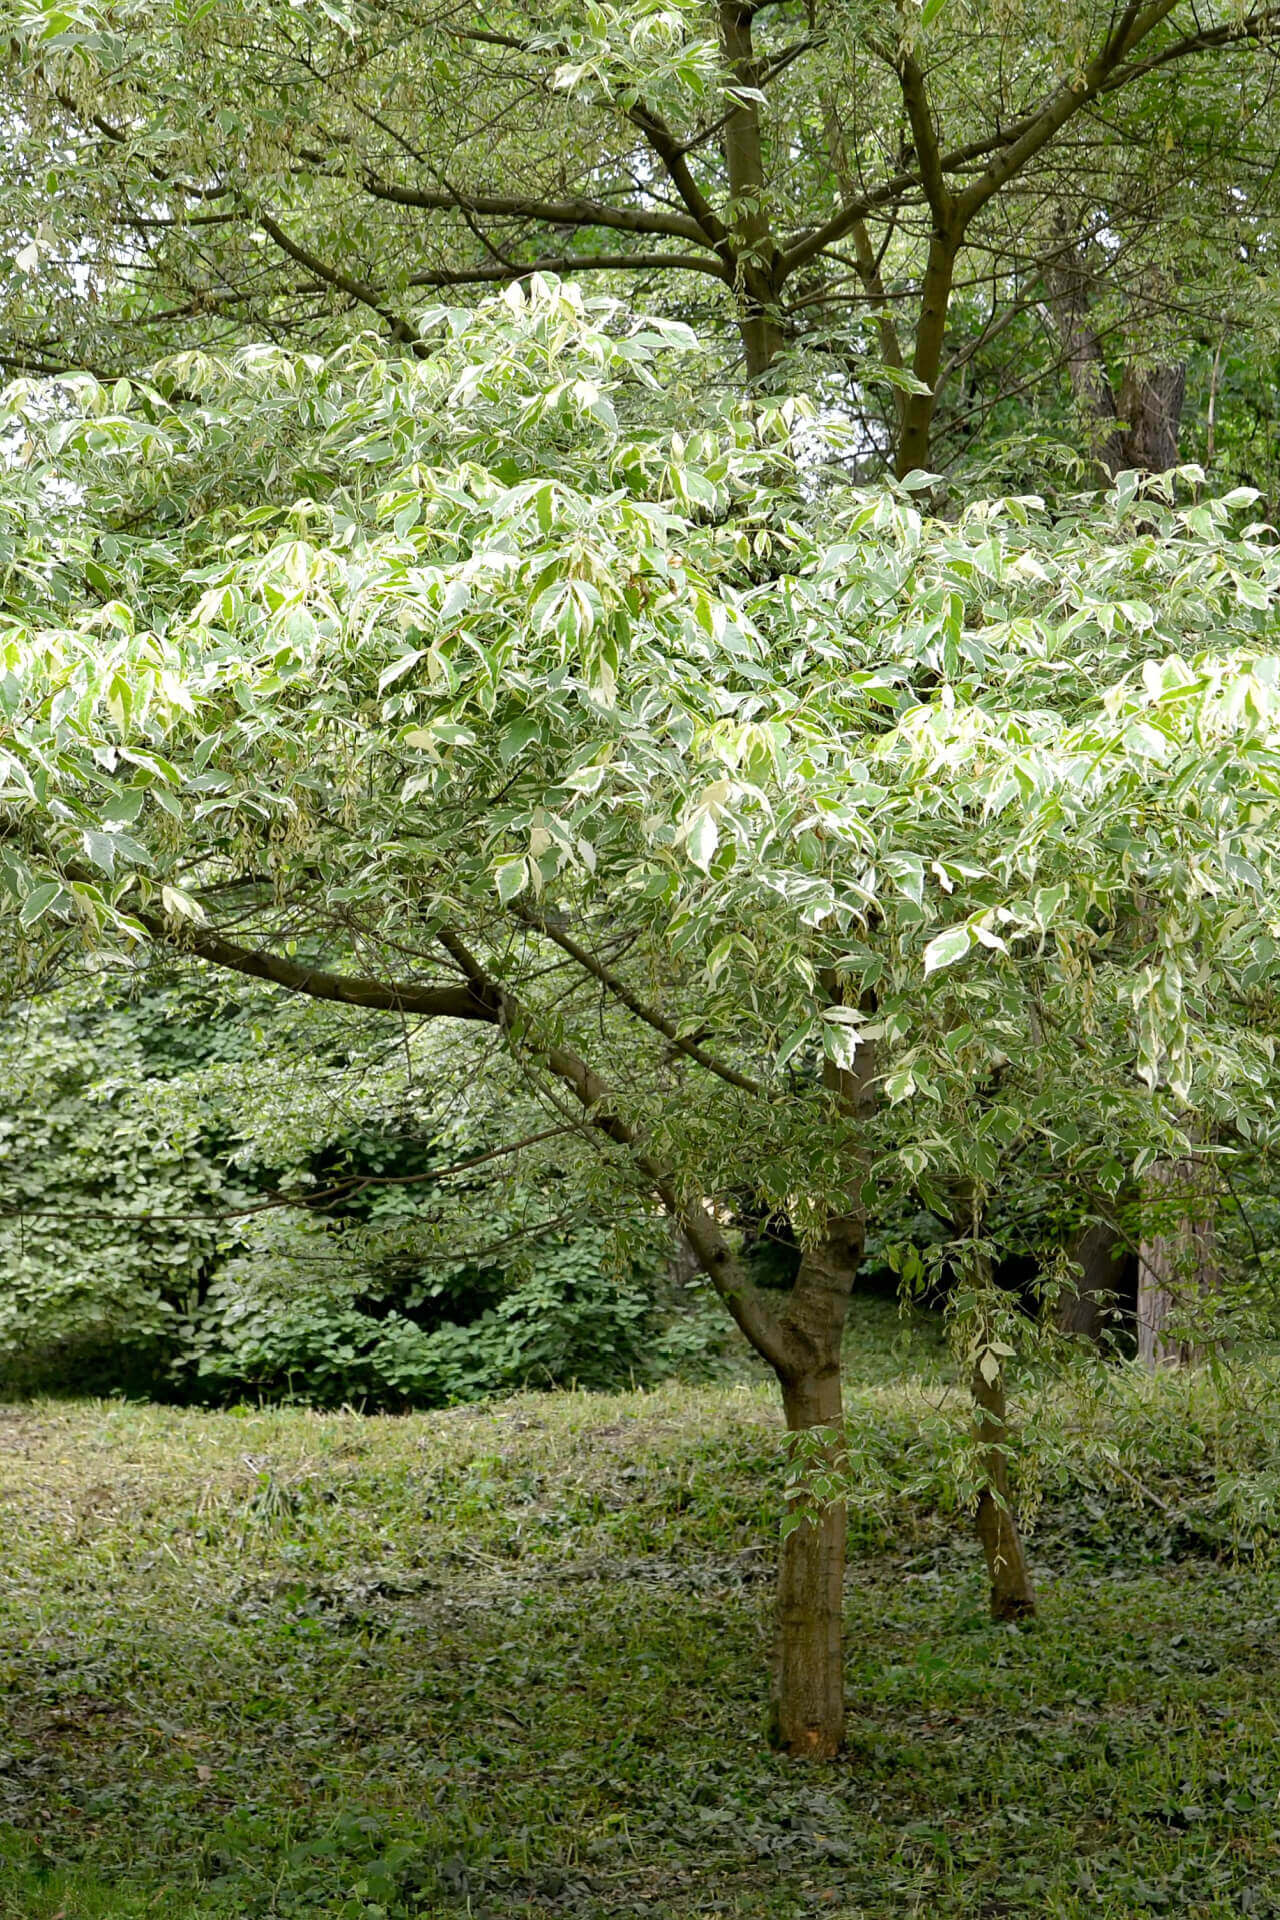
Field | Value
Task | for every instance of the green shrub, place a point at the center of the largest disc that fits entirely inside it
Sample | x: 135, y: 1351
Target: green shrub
x: 564, y: 1319
x: 146, y: 1132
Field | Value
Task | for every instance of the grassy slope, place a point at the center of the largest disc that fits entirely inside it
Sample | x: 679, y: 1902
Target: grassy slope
x: 508, y: 1661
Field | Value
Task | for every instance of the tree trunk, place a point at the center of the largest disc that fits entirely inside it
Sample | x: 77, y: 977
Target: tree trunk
x: 807, y: 1710
x: 1177, y: 1264
x: 1151, y: 405
x: 1098, y: 1255
x: 1139, y: 425
x: 761, y: 340
x: 743, y: 149
x: 807, y: 1703
x: 918, y: 408
x: 1012, y: 1594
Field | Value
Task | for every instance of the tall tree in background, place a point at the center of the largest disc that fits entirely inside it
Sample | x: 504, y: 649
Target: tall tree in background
x: 837, y: 178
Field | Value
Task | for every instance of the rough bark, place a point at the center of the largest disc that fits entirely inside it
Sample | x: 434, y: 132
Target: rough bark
x: 1136, y: 425
x: 1177, y: 1264
x: 1151, y: 405
x: 1012, y: 1593
x: 1069, y: 287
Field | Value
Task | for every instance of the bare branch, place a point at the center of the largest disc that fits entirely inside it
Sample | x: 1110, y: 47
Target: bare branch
x: 555, y: 213
x: 570, y: 263
x: 624, y: 994
x: 358, y: 290
x: 317, y: 983
x: 1254, y: 26
x: 1063, y: 104
x: 668, y: 149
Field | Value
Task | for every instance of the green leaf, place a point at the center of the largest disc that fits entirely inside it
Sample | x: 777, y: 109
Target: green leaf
x: 946, y: 948
x: 38, y: 902
x: 511, y: 877
x: 793, y: 1043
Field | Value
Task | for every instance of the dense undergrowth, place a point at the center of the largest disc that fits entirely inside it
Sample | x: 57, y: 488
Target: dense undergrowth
x: 509, y: 1660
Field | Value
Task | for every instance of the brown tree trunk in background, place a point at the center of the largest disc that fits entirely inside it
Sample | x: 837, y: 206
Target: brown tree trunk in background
x: 1137, y: 426
x: 1151, y: 404
x: 1069, y: 287
x: 1096, y: 1253
x: 1177, y: 1264
x: 1013, y: 1596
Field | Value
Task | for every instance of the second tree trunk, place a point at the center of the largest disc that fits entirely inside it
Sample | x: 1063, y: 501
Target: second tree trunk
x: 1013, y: 1596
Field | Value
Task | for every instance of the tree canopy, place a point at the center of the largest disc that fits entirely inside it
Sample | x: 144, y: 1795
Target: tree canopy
x: 766, y: 763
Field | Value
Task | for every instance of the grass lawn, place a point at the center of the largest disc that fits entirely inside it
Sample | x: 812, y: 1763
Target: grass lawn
x: 510, y: 1660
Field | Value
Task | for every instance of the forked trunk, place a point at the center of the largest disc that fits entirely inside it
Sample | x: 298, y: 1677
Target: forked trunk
x: 1013, y: 1596
x: 807, y: 1716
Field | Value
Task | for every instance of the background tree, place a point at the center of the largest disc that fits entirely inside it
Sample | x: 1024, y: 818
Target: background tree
x: 833, y: 179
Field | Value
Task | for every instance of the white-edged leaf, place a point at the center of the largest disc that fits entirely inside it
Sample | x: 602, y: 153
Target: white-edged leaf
x: 511, y: 877
x: 39, y: 901
x: 946, y: 948
x: 180, y: 906
x: 398, y: 669
x: 793, y: 1043
x: 702, y: 839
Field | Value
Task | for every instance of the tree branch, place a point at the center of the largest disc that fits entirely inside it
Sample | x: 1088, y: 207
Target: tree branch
x: 668, y: 149
x: 484, y: 999
x: 925, y: 133
x: 564, y: 263
x: 1015, y: 144
x: 555, y: 213
x: 868, y: 261
x: 1063, y: 104
x: 701, y: 1229
x: 358, y: 290
x: 650, y: 1015
x: 1253, y: 27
